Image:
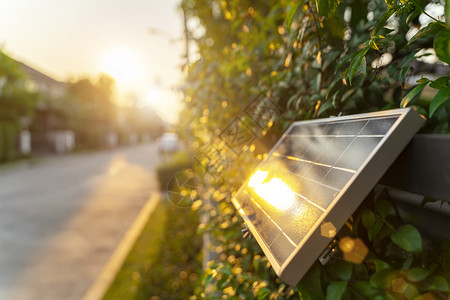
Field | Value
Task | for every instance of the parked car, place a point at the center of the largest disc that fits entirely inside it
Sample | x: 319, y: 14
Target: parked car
x: 169, y: 142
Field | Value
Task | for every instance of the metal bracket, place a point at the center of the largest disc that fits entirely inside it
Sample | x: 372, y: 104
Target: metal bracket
x: 330, y: 251
x: 246, y: 233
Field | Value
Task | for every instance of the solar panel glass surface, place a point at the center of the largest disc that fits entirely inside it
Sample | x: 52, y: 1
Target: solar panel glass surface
x: 315, y: 162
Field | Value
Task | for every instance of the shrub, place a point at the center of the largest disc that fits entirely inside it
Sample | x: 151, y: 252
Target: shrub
x: 165, y: 262
x: 170, y: 166
x: 312, y: 59
x: 175, y: 273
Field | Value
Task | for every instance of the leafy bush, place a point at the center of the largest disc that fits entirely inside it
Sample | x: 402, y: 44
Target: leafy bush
x: 170, y: 166
x: 144, y: 252
x: 166, y: 259
x: 312, y: 59
x: 175, y: 273
x: 16, y: 104
x: 9, y: 134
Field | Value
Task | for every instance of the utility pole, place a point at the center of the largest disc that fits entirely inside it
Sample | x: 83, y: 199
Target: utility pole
x: 186, y: 33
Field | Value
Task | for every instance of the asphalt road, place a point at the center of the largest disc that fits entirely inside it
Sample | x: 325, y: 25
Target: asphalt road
x: 62, y: 217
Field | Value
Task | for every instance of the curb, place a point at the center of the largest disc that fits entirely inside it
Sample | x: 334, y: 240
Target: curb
x: 99, y: 288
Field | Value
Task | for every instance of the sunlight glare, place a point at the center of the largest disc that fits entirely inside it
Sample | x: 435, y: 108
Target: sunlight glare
x: 257, y: 178
x: 153, y: 96
x: 123, y: 64
x: 275, y: 192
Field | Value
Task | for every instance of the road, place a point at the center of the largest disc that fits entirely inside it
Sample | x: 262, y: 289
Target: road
x: 62, y: 217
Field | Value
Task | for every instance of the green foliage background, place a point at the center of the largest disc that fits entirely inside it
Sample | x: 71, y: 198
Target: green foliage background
x: 314, y: 59
x: 90, y: 109
x: 16, y: 102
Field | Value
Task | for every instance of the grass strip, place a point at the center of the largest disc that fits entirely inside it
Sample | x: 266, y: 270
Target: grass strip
x: 165, y: 261
x: 144, y: 252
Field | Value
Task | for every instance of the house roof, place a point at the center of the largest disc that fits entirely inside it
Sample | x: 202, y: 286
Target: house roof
x: 38, y: 76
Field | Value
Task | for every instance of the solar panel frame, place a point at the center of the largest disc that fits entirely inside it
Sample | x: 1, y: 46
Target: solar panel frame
x: 349, y: 197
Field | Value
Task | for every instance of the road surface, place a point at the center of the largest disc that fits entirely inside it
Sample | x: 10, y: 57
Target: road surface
x: 62, y: 218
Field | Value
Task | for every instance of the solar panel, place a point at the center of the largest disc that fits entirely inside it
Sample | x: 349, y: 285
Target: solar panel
x: 318, y: 173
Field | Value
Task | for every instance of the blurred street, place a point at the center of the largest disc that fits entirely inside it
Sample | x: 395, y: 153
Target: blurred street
x: 62, y: 217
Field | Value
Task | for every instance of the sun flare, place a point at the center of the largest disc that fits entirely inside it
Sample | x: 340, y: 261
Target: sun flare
x: 274, y: 191
x: 123, y: 64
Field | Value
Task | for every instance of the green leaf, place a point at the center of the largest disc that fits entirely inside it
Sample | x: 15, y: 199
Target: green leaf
x: 435, y: 283
x: 442, y: 46
x: 383, y: 279
x: 404, y: 73
x: 310, y: 286
x: 336, y: 289
x: 408, y: 238
x: 347, y: 94
x: 344, y: 76
x: 226, y: 270
x: 380, y: 264
x: 413, y: 15
x: 327, y: 7
x: 408, y: 99
x: 390, y: 3
x: 303, y: 292
x: 362, y: 68
x: 316, y: 82
x: 263, y: 293
x: 222, y: 283
x: 342, y: 60
x: 356, y: 61
x: 330, y: 58
x: 291, y: 99
x: 373, y: 232
x: 432, y: 29
x: 442, y: 83
x: 331, y: 86
x: 440, y: 98
x: 256, y: 263
x: 382, y: 21
x: 291, y: 14
x: 423, y: 79
x: 342, y: 269
x: 365, y: 289
x: 208, y: 279
x: 407, y: 59
x: 447, y: 11
x: 417, y: 274
x: 407, y: 263
x: 383, y: 207
x: 420, y: 110
x: 368, y: 218
x: 322, y: 7
x: 324, y: 107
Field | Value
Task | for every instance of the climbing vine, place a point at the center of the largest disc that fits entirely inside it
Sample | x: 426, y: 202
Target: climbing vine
x: 313, y: 59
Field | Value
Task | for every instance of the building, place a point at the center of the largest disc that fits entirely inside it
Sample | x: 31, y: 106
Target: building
x: 49, y: 125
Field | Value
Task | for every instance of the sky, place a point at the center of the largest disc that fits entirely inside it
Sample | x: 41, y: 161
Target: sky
x: 138, y: 42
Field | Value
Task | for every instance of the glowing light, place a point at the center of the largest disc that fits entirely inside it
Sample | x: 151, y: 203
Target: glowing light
x: 275, y: 192
x: 122, y: 64
x: 399, y: 285
x: 154, y: 95
x: 257, y: 179
x: 328, y: 230
x: 354, y: 250
x: 346, y: 244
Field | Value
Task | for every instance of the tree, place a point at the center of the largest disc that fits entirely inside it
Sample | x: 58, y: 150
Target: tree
x: 92, y: 109
x: 16, y: 104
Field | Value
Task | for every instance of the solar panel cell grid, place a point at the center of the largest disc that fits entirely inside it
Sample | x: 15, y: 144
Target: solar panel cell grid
x: 303, y: 176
